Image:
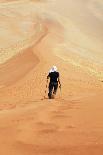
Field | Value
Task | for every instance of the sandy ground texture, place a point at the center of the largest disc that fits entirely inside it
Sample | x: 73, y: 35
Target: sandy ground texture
x: 34, y: 35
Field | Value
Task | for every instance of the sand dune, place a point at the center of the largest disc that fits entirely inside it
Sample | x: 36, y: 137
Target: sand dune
x: 33, y: 37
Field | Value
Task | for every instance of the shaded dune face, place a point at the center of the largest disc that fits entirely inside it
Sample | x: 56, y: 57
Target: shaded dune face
x: 19, y: 31
x: 17, y: 67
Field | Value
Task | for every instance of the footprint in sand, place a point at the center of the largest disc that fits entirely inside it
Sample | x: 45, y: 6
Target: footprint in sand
x: 23, y: 119
x: 64, y: 108
x: 60, y: 113
x: 69, y: 127
x: 45, y: 128
x: 60, y: 116
x: 57, y: 112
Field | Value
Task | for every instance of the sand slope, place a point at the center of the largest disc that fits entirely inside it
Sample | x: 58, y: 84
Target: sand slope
x: 43, y: 34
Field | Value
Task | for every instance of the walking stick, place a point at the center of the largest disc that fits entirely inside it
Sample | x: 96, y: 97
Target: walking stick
x: 60, y: 91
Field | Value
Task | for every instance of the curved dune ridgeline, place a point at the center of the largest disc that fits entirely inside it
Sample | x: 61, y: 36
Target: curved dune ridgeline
x: 34, y: 35
x: 17, y: 67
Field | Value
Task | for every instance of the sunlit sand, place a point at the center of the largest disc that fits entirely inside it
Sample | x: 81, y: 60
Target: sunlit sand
x: 34, y: 35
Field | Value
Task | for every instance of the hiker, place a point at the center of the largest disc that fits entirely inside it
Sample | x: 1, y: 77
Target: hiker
x: 54, y: 80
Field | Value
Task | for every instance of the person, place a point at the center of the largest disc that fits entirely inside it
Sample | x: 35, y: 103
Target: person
x: 54, y: 80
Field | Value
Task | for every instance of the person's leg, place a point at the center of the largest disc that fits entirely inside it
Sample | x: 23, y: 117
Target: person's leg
x: 50, y: 90
x: 55, y: 88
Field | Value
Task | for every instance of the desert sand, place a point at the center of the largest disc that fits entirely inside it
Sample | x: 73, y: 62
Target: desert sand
x: 34, y: 36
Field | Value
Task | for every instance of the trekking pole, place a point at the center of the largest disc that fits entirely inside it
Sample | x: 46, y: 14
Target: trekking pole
x: 60, y: 92
x: 46, y: 89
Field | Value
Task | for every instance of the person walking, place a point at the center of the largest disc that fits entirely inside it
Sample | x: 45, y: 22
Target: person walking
x: 54, y: 77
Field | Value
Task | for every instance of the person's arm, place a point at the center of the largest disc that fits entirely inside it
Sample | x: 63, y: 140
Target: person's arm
x: 48, y: 77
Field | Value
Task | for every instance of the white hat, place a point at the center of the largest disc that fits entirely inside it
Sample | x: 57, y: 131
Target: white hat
x: 53, y: 69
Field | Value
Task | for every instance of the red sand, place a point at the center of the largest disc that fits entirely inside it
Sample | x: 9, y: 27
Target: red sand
x: 71, y: 124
